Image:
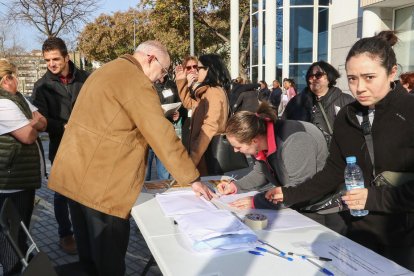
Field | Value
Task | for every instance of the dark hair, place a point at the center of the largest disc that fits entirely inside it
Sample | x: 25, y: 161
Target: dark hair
x: 217, y: 74
x: 263, y: 82
x: 379, y: 46
x: 407, y: 78
x: 331, y: 73
x: 246, y: 125
x: 292, y: 83
x: 55, y: 43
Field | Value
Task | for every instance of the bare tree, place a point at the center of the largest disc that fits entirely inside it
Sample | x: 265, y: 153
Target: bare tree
x: 52, y: 17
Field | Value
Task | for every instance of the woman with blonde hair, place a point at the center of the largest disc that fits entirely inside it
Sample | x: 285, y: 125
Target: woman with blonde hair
x: 21, y: 158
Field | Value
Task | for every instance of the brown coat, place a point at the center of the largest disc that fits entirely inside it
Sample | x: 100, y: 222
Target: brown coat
x: 210, y: 113
x: 102, y: 158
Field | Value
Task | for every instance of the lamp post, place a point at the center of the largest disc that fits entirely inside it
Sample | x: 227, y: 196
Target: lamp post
x: 191, y: 28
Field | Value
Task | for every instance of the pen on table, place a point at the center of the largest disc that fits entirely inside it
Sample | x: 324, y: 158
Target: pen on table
x: 280, y: 254
x: 303, y: 256
x: 321, y: 268
x: 271, y: 246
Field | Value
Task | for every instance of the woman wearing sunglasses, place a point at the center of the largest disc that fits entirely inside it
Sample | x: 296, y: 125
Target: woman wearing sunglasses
x: 206, y: 96
x: 320, y: 101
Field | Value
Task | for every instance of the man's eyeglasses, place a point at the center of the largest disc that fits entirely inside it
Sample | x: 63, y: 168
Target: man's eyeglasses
x: 317, y: 75
x: 189, y: 67
x: 164, y: 70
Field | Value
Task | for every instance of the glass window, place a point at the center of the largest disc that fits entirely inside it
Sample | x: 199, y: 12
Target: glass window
x: 279, y: 3
x: 301, y: 28
x: 255, y: 6
x: 279, y: 35
x: 255, y: 74
x: 264, y: 4
x: 279, y: 72
x: 404, y: 49
x: 255, y: 39
x: 323, y: 34
x: 298, y: 73
x: 323, y: 2
x: 263, y: 72
x: 301, y: 2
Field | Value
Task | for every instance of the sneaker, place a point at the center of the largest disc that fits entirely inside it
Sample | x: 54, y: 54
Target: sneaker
x: 68, y: 245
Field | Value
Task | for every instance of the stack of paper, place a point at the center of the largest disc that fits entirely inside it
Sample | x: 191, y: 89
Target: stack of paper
x: 206, y: 227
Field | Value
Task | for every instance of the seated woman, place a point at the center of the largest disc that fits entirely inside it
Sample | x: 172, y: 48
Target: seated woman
x: 388, y: 229
x: 205, y: 94
x: 287, y: 153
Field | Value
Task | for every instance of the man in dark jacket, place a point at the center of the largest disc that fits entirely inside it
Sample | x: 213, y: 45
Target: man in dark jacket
x: 320, y: 101
x: 55, y: 95
x: 275, y: 95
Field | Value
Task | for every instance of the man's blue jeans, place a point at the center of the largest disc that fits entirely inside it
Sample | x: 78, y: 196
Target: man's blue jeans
x: 161, y: 170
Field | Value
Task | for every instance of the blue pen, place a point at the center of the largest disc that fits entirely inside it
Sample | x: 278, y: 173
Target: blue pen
x: 321, y: 268
x: 280, y: 254
x: 255, y: 253
x: 271, y: 246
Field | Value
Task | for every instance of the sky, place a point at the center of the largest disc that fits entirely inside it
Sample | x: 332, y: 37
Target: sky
x: 28, y: 37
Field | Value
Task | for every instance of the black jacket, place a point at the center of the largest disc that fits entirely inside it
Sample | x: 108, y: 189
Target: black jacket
x: 55, y: 101
x: 237, y: 89
x: 389, y: 222
x: 275, y: 97
x: 305, y: 107
x: 246, y: 101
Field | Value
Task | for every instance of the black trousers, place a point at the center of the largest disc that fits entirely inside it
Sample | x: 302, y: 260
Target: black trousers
x: 23, y: 201
x: 102, y: 240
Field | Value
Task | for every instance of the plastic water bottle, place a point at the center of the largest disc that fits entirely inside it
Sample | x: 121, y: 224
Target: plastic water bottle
x: 354, y: 178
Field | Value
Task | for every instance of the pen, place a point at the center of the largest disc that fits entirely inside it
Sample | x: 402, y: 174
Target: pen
x: 255, y: 253
x: 312, y: 257
x: 281, y: 254
x: 271, y: 246
x: 321, y: 268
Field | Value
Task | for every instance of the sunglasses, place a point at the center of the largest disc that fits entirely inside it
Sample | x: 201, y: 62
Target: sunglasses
x: 191, y: 67
x: 317, y: 75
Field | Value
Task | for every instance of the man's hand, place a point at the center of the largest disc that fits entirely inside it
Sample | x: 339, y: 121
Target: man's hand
x: 201, y: 189
x: 275, y: 195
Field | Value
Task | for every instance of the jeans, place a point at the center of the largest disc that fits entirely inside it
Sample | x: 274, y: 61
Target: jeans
x: 62, y: 215
x: 161, y: 170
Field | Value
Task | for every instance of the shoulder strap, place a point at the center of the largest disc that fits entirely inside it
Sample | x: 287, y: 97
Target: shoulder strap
x: 325, y: 117
x: 366, y: 130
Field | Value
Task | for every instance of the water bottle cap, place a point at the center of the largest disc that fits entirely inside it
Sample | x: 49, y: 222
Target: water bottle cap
x: 351, y: 159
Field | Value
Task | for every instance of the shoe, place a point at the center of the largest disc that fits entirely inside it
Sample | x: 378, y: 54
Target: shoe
x: 68, y: 245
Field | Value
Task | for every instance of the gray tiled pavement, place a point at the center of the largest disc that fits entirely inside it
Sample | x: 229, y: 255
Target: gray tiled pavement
x: 43, y: 229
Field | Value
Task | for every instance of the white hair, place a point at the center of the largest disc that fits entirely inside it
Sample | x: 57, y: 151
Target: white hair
x: 152, y: 46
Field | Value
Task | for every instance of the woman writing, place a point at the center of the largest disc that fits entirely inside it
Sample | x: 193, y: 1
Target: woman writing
x: 388, y: 229
x: 287, y: 153
x: 205, y: 94
x: 20, y: 159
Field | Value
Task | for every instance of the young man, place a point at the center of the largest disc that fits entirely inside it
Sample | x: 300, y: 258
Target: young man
x: 55, y: 94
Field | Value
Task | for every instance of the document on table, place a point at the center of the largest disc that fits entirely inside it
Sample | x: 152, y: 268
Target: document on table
x: 285, y: 219
x: 183, y: 202
x: 350, y: 258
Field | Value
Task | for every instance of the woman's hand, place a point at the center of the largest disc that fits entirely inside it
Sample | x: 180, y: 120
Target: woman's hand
x: 179, y: 72
x: 356, y: 199
x: 201, y: 189
x: 191, y: 79
x: 275, y: 195
x: 243, y: 203
x: 226, y: 187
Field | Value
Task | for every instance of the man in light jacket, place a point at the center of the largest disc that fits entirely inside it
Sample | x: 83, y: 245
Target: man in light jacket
x: 101, y: 161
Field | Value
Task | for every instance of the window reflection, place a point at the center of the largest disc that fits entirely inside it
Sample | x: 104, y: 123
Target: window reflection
x: 301, y: 32
x: 404, y: 49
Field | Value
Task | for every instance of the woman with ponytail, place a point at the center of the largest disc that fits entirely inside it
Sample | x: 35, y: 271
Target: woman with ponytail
x: 387, y: 114
x: 287, y: 153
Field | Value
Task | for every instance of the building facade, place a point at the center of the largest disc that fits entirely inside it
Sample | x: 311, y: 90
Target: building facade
x: 289, y: 35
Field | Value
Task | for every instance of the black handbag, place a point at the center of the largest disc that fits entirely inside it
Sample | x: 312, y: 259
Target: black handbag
x: 221, y: 157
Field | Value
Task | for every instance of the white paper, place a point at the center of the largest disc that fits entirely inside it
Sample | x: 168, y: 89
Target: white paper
x: 350, y: 258
x: 182, y: 202
x: 169, y: 109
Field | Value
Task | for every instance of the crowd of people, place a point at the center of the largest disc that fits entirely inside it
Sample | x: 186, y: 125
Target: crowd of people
x: 101, y: 127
